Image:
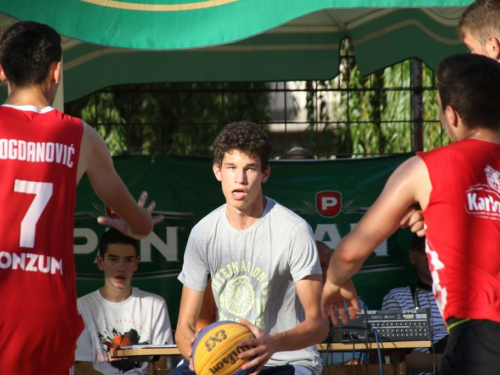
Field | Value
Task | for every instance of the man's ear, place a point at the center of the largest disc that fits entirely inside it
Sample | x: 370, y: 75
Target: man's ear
x: 100, y: 262
x: 265, y: 174
x: 451, y: 116
x: 217, y: 171
x: 493, y: 47
x: 3, y: 77
x: 137, y: 260
x: 55, y: 72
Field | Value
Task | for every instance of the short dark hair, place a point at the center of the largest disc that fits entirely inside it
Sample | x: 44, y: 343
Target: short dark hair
x: 470, y: 84
x: 246, y: 137
x: 481, y: 19
x: 114, y: 236
x: 27, y: 49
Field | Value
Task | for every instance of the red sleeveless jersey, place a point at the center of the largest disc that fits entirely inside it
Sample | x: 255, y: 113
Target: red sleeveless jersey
x: 39, y: 321
x: 463, y: 228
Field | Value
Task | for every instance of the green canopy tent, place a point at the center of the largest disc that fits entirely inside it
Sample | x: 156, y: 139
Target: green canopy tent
x: 112, y: 42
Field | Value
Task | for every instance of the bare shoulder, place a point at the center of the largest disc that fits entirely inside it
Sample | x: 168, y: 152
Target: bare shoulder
x: 91, y: 138
x: 407, y: 185
x: 410, y: 168
x: 412, y: 176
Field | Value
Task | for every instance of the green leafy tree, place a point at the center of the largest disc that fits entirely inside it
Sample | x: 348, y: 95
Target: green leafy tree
x: 169, y: 118
x: 372, y: 114
x: 349, y: 116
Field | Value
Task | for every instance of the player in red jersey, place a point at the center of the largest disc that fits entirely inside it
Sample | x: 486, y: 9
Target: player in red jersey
x: 43, y: 155
x: 458, y: 188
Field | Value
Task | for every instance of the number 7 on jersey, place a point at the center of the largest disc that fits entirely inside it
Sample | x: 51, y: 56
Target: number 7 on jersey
x: 43, y: 192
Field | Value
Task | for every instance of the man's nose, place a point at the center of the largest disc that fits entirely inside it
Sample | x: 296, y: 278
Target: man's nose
x: 241, y: 177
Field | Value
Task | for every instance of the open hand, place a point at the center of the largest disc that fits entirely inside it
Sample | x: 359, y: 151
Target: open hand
x: 121, y: 225
x: 339, y: 301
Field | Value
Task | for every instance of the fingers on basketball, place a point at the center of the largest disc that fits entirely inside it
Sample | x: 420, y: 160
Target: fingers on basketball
x: 216, y: 350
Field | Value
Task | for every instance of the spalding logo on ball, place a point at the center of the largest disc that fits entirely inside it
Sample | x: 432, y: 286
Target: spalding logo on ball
x: 215, y: 350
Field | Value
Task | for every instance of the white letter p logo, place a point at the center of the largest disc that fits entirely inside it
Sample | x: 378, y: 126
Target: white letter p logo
x: 327, y: 202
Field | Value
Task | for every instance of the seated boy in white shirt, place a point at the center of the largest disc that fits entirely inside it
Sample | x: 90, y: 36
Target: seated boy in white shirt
x: 118, y: 312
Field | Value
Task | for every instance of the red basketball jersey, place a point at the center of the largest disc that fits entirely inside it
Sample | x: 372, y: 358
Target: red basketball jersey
x: 39, y: 321
x: 463, y: 228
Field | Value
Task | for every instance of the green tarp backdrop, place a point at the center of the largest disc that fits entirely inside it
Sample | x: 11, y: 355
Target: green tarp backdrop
x: 111, y: 42
x: 181, y: 24
x: 331, y: 195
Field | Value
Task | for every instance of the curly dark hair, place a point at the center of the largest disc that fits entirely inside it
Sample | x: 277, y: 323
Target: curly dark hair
x: 246, y: 137
x: 27, y: 49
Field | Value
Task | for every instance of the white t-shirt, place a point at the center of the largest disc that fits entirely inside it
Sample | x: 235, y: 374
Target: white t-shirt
x: 141, y: 319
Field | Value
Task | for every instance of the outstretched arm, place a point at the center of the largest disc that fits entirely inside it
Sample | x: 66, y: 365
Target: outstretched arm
x: 408, y: 185
x: 95, y: 160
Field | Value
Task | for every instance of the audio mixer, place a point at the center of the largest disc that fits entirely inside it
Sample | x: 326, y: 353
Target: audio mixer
x: 390, y: 325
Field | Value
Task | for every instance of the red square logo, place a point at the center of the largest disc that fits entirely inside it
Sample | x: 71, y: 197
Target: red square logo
x: 328, y: 203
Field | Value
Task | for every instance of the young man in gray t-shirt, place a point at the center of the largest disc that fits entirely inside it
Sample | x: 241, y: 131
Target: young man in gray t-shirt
x: 262, y: 259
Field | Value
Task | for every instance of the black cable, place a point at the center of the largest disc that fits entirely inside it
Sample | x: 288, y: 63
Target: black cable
x: 353, y: 340
x: 379, y: 353
x: 328, y: 348
x: 366, y: 356
x: 352, y: 359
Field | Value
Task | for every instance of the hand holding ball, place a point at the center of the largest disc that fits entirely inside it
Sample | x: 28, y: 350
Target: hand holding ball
x: 215, y: 350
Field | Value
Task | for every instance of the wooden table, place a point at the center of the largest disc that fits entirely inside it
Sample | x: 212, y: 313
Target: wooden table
x: 149, y: 355
x: 396, y: 350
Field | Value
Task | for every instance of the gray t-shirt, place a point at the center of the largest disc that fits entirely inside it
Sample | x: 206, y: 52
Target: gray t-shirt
x: 254, y: 272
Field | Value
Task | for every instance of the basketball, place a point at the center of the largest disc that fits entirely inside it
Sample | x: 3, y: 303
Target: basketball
x: 215, y: 350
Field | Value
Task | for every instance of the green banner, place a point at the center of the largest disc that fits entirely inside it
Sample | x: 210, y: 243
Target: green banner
x: 332, y: 195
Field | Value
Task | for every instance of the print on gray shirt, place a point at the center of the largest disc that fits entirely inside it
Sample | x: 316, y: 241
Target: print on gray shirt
x: 254, y: 271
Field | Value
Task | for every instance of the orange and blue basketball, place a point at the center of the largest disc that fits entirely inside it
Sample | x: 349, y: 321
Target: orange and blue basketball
x: 215, y: 350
